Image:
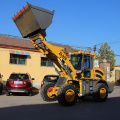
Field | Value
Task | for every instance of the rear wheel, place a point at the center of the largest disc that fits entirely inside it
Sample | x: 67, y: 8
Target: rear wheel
x: 1, y: 88
x: 67, y: 95
x: 30, y: 93
x: 101, y: 92
x: 46, y: 92
x: 7, y: 93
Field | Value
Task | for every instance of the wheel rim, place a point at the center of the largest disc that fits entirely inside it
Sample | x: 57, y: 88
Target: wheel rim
x: 70, y: 95
x: 102, y: 92
x: 49, y: 92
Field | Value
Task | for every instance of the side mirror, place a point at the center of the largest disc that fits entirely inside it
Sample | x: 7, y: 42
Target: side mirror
x: 79, y: 72
x: 33, y: 78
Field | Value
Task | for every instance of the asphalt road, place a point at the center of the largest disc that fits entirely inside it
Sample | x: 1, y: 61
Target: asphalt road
x: 21, y: 107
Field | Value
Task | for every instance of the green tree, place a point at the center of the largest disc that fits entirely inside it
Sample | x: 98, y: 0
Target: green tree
x: 105, y: 53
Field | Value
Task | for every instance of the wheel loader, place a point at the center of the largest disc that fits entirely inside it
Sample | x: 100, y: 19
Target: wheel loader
x: 78, y: 78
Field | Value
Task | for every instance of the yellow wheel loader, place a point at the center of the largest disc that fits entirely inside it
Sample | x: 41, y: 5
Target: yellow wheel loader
x: 78, y: 78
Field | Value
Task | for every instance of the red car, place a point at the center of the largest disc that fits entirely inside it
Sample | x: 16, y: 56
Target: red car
x: 1, y: 83
x: 19, y: 83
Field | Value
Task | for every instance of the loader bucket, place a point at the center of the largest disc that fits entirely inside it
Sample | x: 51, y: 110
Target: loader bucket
x: 32, y: 20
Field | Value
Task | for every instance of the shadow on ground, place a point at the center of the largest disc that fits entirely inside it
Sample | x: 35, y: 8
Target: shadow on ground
x: 87, y: 110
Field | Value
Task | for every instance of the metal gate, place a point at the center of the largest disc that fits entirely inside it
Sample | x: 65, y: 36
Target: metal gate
x: 117, y: 75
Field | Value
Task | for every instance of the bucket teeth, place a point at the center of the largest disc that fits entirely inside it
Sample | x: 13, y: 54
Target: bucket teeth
x: 20, y: 12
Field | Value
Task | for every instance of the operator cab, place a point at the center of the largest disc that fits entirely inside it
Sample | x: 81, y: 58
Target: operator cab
x: 83, y: 63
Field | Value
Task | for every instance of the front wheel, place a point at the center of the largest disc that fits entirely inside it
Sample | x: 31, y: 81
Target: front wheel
x: 67, y: 95
x: 46, y: 92
x: 100, y: 92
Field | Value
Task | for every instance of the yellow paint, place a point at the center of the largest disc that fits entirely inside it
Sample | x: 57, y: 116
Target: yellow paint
x: 83, y: 52
x: 93, y: 74
x: 70, y: 95
x: 103, y: 93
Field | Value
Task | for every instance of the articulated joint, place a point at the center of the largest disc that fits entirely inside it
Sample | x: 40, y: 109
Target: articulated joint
x: 37, y: 37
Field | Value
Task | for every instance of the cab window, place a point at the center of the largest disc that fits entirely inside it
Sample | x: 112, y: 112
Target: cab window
x: 86, y: 62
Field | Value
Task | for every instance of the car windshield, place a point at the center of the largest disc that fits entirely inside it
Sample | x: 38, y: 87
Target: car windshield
x: 19, y: 76
x: 50, y: 78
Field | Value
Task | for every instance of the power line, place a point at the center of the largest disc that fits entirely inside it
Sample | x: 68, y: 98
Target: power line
x: 117, y: 41
x: 12, y: 36
x: 73, y: 46
x: 113, y: 42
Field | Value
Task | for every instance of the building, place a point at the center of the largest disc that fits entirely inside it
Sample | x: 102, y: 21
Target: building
x: 105, y: 66
x: 19, y: 55
x: 115, y: 74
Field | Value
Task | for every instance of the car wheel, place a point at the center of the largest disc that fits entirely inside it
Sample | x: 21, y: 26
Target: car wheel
x: 30, y: 94
x: 1, y: 88
x: 46, y: 92
x: 67, y: 95
x: 100, y: 92
x: 7, y: 93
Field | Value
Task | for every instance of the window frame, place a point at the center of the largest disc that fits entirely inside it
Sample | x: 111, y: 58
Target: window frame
x: 17, y: 59
x: 46, y: 63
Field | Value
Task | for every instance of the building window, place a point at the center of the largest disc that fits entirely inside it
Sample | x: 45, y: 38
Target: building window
x: 18, y: 59
x: 46, y: 62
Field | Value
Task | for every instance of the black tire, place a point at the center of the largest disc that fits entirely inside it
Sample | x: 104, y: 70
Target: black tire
x: 30, y: 93
x: 44, y: 92
x: 1, y: 88
x: 7, y: 93
x: 82, y: 98
x: 67, y: 95
x: 98, y: 96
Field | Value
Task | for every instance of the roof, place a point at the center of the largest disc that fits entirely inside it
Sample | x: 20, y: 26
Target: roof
x: 8, y: 41
x: 15, y: 42
x: 117, y: 65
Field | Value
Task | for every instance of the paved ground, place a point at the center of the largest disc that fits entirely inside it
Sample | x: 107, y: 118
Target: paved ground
x: 21, y: 107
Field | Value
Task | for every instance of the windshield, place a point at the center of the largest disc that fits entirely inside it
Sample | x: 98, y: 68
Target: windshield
x: 51, y: 78
x: 76, y: 61
x: 19, y: 76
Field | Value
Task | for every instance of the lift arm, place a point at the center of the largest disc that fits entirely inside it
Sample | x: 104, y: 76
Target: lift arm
x: 54, y: 54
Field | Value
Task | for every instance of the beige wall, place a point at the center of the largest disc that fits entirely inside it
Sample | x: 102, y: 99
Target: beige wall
x: 32, y: 66
x: 112, y: 79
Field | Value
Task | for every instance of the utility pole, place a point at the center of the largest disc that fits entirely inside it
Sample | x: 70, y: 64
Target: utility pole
x: 94, y: 51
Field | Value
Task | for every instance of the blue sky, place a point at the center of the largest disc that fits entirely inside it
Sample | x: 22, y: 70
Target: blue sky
x: 75, y: 22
